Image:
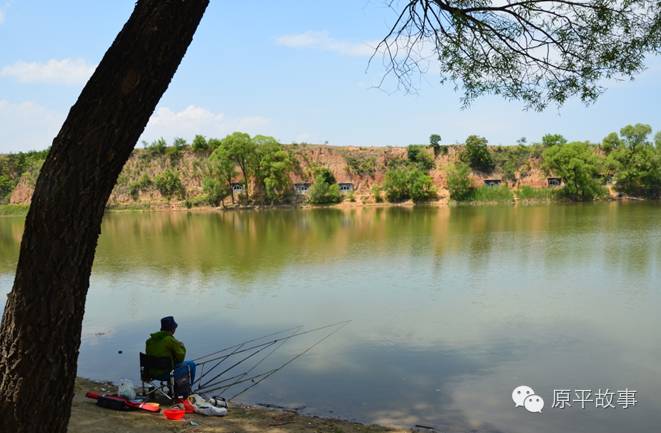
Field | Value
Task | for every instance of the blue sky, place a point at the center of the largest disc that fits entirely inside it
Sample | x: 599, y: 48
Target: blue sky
x: 293, y: 69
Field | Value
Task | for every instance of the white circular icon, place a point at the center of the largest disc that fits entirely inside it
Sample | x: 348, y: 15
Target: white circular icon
x: 534, y: 403
x: 520, y: 393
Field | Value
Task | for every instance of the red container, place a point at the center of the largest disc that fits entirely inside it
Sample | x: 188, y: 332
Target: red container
x: 188, y: 407
x: 174, y: 414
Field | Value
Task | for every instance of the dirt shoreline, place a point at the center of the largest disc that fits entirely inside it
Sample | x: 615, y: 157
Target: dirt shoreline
x: 10, y: 209
x: 86, y: 417
x: 443, y: 203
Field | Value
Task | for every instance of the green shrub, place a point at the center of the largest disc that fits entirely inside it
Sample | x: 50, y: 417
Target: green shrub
x: 200, y: 144
x: 476, y: 154
x: 408, y: 182
x: 418, y: 155
x: 361, y: 165
x: 322, y: 192
x: 214, y: 190
x: 550, y: 140
x: 637, y: 170
x: 377, y: 192
x: 511, y: 159
x: 174, y: 153
x: 579, y: 167
x: 6, y: 186
x: 179, y: 143
x: 157, y: 147
x: 435, y: 144
x: 214, y: 143
x: 634, y: 161
x: 134, y: 191
x: 198, y: 200
x: 141, y: 184
x: 272, y: 167
x: 396, y: 184
x: 611, y: 142
x: 169, y: 184
x: 325, y: 175
x: 459, y: 182
x: 422, y: 187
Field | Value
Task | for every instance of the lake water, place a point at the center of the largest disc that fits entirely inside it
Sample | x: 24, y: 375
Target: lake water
x: 451, y: 308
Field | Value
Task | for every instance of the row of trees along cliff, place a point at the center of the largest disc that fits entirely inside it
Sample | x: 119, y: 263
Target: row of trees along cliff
x: 243, y: 170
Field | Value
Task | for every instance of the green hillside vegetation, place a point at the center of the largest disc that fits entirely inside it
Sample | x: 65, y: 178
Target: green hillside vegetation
x: 628, y: 161
x: 409, y: 179
x: 14, y: 165
x: 325, y: 189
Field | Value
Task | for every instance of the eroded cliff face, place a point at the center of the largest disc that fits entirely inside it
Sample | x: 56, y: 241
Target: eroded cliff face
x: 191, y: 169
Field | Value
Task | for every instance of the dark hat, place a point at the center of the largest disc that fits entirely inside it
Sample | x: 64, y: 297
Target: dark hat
x: 168, y: 324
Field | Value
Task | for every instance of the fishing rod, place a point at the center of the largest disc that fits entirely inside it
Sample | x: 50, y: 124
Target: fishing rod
x: 255, y: 346
x: 263, y: 376
x: 253, y: 349
x: 236, y: 350
x: 238, y: 382
x: 254, y: 384
x: 214, y: 382
x: 240, y: 361
x: 198, y: 359
x: 258, y: 378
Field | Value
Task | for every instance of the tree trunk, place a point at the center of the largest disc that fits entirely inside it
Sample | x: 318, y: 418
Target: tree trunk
x: 244, y: 171
x: 41, y: 324
x: 231, y: 191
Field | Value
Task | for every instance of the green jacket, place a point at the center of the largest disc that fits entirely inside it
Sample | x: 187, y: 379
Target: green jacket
x: 163, y: 344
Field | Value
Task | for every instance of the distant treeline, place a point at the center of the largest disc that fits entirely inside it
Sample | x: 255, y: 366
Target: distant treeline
x: 630, y: 161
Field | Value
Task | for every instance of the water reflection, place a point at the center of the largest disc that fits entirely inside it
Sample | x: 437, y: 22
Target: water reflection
x: 451, y: 307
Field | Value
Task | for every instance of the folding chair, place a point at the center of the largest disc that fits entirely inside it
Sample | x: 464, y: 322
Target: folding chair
x: 148, y: 364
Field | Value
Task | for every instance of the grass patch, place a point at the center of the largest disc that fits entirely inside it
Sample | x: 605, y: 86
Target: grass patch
x: 127, y: 206
x: 536, y: 194
x: 13, y: 209
x: 492, y: 194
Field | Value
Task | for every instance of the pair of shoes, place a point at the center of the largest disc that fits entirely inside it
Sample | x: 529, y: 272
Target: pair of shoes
x: 218, y: 402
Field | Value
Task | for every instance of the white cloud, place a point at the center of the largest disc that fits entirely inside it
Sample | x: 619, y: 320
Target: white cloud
x: 197, y: 120
x: 53, y: 71
x: 323, y: 41
x: 30, y: 126
x: 27, y: 126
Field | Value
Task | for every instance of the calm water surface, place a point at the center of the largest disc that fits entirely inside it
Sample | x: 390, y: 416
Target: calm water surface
x: 451, y: 308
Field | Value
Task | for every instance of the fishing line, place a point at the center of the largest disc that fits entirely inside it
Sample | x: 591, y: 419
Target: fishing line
x: 291, y: 360
x: 268, y: 343
x: 200, y: 358
x: 211, y: 384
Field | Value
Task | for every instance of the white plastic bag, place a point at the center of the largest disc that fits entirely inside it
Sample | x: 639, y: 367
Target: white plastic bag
x: 126, y: 389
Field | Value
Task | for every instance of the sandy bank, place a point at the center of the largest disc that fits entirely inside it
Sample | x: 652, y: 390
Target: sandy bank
x: 86, y: 417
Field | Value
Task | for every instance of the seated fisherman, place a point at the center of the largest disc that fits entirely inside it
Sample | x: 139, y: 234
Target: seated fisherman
x: 162, y: 344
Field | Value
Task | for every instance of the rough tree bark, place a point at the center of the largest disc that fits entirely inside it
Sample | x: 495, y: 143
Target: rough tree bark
x: 41, y: 324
